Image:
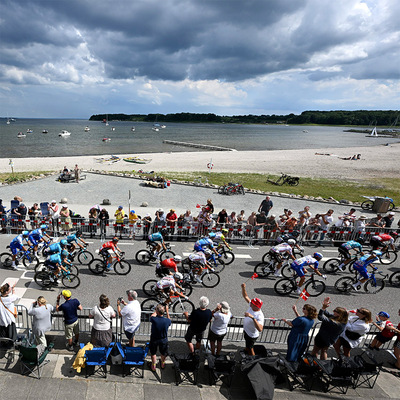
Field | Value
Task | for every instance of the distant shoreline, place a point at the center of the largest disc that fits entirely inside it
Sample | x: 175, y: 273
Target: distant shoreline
x: 376, y: 162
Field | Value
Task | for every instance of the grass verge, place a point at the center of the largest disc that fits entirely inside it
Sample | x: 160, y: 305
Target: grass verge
x: 20, y: 176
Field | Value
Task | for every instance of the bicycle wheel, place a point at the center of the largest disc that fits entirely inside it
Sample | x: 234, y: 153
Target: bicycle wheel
x: 30, y: 261
x: 149, y: 304
x: 266, y: 258
x: 388, y: 257
x: 372, y: 286
x: 85, y: 257
x: 187, y: 288
x: 210, y: 279
x: 122, y: 267
x: 6, y: 260
x: 71, y: 281
x: 298, y: 253
x: 150, y: 288
x: 42, y: 278
x: 344, y: 284
x: 367, y: 204
x: 143, y: 256
x: 394, y: 279
x: 391, y: 206
x: 294, y: 182
x: 315, y: 287
x: 166, y: 254
x: 73, y: 269
x: 264, y: 269
x: 218, y: 265
x: 284, y: 286
x: 40, y: 267
x: 97, y: 266
x: 228, y: 257
x: 332, y: 265
x: 181, y: 306
x: 287, y: 271
x: 241, y: 190
x: 221, y: 190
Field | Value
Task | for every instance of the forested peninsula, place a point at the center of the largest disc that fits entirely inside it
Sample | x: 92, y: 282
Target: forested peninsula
x: 356, y: 118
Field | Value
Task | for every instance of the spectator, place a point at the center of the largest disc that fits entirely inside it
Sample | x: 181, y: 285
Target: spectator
x: 266, y: 206
x: 219, y: 326
x: 253, y: 322
x: 252, y: 220
x: 359, y: 225
x: 159, y: 220
x: 356, y: 327
x: 222, y: 217
x: 34, y: 213
x: 270, y: 225
x: 2, y: 217
x: 290, y: 224
x: 331, y: 328
x: 104, y: 219
x: 377, y: 222
x: 133, y: 218
x: 159, y: 335
x: 298, y: 336
x: 54, y: 213
x: 102, y: 334
x: 198, y: 321
x: 19, y: 213
x: 93, y: 217
x: 41, y: 321
x: 232, y: 219
x: 146, y: 222
x: 130, y: 314
x: 65, y: 219
x: 241, y: 217
x: 76, y: 173
x: 304, y: 216
x: 287, y: 213
x: 188, y: 219
x: 351, y: 214
x: 205, y: 221
x: 70, y: 309
x: 387, y: 330
x: 389, y: 219
x: 8, y: 312
x: 325, y: 221
x: 171, y: 219
x: 261, y: 219
x: 209, y: 206
x: 119, y: 219
x: 396, y: 349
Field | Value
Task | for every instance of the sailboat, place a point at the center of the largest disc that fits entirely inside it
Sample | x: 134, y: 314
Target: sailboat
x: 106, y: 119
x: 374, y: 133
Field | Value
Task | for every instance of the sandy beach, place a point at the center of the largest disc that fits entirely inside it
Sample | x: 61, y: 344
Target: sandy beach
x: 375, y: 162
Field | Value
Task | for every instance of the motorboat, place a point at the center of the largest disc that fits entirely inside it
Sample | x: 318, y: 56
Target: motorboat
x: 45, y: 131
x: 21, y: 135
x: 305, y: 130
x: 64, y: 133
x: 113, y: 129
x: 29, y: 131
x: 87, y: 129
x: 155, y: 129
x: 133, y: 129
x: 106, y: 139
x: 163, y: 126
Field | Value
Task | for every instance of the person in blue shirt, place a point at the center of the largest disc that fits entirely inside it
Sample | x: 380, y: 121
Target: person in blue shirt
x: 157, y: 241
x: 361, y: 267
x: 55, y: 262
x: 37, y: 236
x: 300, y: 265
x: 57, y: 247
x: 17, y: 245
x: 345, y: 248
x: 75, y: 239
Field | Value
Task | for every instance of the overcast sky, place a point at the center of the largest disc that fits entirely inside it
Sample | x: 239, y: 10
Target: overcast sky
x: 75, y: 58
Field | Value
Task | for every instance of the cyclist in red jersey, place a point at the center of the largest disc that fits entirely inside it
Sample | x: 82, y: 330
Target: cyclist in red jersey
x: 383, y: 240
x: 108, y: 249
x: 169, y: 265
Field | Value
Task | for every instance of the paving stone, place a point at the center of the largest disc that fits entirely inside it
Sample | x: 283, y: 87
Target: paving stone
x: 18, y: 385
x: 43, y: 388
x: 152, y: 392
x: 129, y: 390
x: 77, y: 387
x: 186, y: 392
x: 100, y: 390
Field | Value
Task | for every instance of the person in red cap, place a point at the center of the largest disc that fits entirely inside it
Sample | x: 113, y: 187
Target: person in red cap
x: 253, y: 322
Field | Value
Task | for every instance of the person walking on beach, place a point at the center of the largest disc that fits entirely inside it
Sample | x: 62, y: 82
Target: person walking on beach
x: 266, y: 205
x: 76, y: 173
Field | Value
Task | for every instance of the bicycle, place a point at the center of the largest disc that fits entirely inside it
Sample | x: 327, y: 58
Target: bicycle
x: 369, y: 204
x: 314, y: 287
x: 177, y: 306
x: 150, y: 287
x: 99, y: 266
x: 209, y: 278
x: 231, y: 188
x: 70, y: 267
x: 394, y: 279
x: 332, y: 265
x: 296, y: 252
x: 226, y: 255
x: 27, y: 258
x: 290, y: 180
x: 83, y: 255
x: 46, y: 279
x: 372, y: 285
x: 217, y: 263
x: 144, y: 256
x: 388, y: 257
x: 199, y: 181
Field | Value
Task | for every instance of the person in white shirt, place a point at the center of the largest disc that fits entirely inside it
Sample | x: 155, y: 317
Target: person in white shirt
x: 253, y: 322
x: 102, y: 314
x: 130, y: 315
x: 219, y: 326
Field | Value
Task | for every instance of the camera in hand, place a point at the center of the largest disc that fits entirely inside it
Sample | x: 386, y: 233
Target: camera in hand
x: 120, y: 299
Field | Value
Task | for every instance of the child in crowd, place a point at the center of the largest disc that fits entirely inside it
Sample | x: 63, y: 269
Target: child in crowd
x: 387, y: 330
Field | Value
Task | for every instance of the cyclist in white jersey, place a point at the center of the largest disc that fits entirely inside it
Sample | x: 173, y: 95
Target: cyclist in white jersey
x: 167, y: 285
x: 199, y: 260
x: 277, y: 251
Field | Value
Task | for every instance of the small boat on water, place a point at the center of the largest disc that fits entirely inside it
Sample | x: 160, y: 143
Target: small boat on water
x: 133, y: 129
x: 111, y: 160
x: 155, y: 129
x: 45, y: 131
x: 87, y: 129
x: 21, y: 135
x: 106, y: 139
x: 163, y: 126
x: 137, y: 160
x: 64, y: 133
x: 305, y: 130
x: 29, y: 131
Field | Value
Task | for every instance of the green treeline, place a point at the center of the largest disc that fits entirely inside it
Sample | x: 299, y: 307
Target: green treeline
x: 361, y: 117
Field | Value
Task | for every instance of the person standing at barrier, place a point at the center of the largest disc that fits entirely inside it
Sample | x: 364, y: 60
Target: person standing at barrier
x: 219, y: 327
x: 70, y: 309
x: 159, y: 335
x: 41, y: 319
x: 130, y: 314
x: 102, y: 335
x: 386, y: 328
x: 298, y: 336
x: 8, y: 312
x: 253, y: 322
x: 396, y: 348
x: 266, y: 205
x: 331, y: 328
x: 198, y: 321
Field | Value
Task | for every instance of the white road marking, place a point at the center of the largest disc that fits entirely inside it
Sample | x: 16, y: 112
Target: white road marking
x: 248, y: 248
x: 236, y: 255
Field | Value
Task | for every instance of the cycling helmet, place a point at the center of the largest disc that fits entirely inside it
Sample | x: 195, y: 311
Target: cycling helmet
x: 317, y: 256
x: 63, y: 242
x: 224, y: 230
x: 65, y: 253
x: 394, y: 234
x: 360, y: 240
x: 383, y: 314
x: 78, y: 232
x: 115, y: 239
x: 295, y: 233
x: 207, y: 251
x: 377, y: 253
x: 211, y: 235
x: 178, y: 275
x: 177, y: 258
x: 25, y: 233
x: 163, y: 232
x: 292, y: 242
x: 43, y: 227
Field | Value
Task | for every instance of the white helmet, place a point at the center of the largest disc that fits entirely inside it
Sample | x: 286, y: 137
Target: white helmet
x: 177, y: 258
x: 178, y: 275
x: 292, y: 242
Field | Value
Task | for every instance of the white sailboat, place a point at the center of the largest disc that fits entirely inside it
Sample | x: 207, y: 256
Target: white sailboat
x: 107, y: 120
x: 374, y: 132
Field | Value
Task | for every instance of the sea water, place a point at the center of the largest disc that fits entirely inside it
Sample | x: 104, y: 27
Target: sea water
x: 145, y: 140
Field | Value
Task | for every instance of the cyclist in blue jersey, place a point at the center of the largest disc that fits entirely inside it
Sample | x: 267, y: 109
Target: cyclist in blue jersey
x: 345, y: 249
x: 75, y: 238
x: 206, y: 243
x: 300, y: 265
x: 361, y: 267
x: 56, y: 247
x: 16, y: 245
x: 157, y: 241
x: 55, y: 263
x: 37, y: 236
